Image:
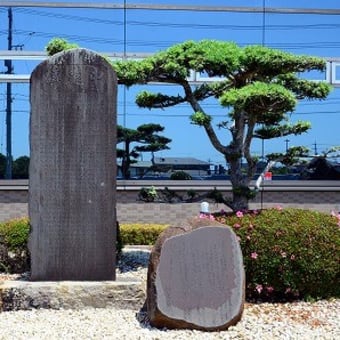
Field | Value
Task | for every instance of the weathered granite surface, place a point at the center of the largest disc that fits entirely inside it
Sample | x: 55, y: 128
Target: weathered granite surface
x: 26, y: 295
x: 72, y: 168
x: 196, y: 277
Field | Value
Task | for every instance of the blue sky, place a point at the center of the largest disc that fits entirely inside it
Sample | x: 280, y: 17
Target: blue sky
x: 152, y: 31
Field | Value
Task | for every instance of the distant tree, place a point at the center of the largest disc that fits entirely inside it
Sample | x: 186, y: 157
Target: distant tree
x: 180, y: 175
x: 319, y: 168
x: 58, y: 44
x: 147, y: 135
x: 2, y: 166
x: 295, y: 155
x: 313, y: 167
x: 21, y: 167
x: 258, y: 88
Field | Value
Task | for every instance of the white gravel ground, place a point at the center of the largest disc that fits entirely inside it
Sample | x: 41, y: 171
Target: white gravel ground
x: 300, y: 321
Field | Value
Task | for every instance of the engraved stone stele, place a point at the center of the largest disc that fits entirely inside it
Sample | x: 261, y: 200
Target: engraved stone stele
x: 196, y: 277
x: 72, y: 168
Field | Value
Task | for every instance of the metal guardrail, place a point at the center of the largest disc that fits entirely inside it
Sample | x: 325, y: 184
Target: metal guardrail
x: 330, y: 74
x: 201, y: 185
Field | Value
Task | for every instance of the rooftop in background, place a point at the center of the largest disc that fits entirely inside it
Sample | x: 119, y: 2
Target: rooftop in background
x: 181, y: 161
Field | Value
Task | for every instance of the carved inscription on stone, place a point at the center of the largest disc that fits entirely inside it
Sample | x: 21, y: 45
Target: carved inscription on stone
x: 200, y: 277
x: 72, y: 168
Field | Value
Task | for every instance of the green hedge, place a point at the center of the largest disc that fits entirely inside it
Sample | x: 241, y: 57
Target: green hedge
x: 14, y: 254
x: 288, y: 253
x: 138, y: 233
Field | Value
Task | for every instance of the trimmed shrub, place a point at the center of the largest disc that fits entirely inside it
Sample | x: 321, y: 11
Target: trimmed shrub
x: 145, y: 234
x: 14, y: 254
x: 180, y: 175
x: 288, y: 254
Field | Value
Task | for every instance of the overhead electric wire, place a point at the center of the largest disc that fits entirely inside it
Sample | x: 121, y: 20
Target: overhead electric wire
x: 176, y: 25
x: 98, y: 40
x: 187, y: 115
x: 68, y: 17
x: 162, y: 44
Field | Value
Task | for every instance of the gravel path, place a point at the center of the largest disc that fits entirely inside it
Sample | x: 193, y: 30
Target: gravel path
x: 299, y: 320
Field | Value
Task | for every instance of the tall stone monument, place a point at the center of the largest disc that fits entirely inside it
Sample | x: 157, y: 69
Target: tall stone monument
x: 72, y: 168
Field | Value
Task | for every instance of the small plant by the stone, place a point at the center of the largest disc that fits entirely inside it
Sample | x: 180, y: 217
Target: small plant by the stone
x: 191, y: 194
x: 169, y: 196
x: 148, y: 194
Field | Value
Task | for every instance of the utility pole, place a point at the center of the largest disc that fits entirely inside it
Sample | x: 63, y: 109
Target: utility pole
x: 315, y: 149
x: 287, y: 144
x: 8, y: 64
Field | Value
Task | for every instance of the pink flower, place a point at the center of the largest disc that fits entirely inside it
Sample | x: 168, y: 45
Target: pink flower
x: 254, y: 255
x: 239, y: 214
x: 270, y: 289
x: 292, y: 257
x: 259, y: 288
x: 333, y: 213
x: 209, y: 216
x: 337, y: 215
x: 283, y: 254
x: 237, y: 226
x: 288, y: 290
x: 278, y: 207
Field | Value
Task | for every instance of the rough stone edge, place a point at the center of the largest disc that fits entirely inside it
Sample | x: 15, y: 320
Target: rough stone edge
x: 152, y: 309
x: 24, y: 295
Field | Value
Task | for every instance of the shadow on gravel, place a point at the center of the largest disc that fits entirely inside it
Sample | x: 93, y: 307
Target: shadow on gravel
x: 133, y: 260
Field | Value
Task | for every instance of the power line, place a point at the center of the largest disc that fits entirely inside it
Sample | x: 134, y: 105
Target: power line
x: 167, y: 43
x: 160, y: 7
x: 288, y: 46
x: 69, y: 17
x: 176, y: 25
x: 187, y: 115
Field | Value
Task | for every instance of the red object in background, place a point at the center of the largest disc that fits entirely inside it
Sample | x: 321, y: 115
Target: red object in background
x: 268, y: 176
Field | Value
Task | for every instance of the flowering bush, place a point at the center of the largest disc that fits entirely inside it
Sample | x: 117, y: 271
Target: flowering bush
x: 288, y: 253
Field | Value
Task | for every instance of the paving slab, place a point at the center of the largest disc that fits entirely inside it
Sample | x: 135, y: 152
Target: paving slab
x: 27, y: 295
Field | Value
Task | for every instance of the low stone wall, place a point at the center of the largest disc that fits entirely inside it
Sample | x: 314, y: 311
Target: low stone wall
x: 315, y: 195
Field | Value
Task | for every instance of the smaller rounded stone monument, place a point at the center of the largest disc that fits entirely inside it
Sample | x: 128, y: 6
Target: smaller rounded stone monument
x: 196, y: 277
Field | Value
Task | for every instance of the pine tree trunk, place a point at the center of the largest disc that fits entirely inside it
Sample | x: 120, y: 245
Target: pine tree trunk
x: 240, y: 184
